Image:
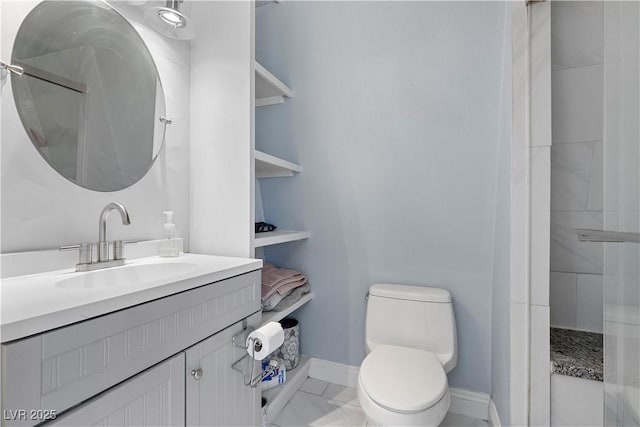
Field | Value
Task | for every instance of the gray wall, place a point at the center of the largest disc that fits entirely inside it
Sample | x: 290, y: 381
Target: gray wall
x: 500, y: 304
x: 397, y: 122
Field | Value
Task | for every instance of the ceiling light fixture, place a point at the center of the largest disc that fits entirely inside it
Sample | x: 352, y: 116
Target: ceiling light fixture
x: 170, y: 22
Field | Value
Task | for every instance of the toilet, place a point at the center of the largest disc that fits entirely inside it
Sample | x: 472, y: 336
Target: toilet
x: 410, y: 334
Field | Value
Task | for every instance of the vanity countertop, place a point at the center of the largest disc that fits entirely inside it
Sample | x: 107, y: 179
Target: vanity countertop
x: 577, y: 353
x: 36, y: 303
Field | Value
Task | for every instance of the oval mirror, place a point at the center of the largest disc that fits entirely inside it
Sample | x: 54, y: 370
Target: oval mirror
x: 90, y: 98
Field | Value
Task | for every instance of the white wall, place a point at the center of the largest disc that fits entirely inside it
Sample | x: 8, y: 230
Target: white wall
x: 530, y: 215
x: 221, y: 184
x: 576, y: 294
x: 41, y: 209
x: 397, y: 124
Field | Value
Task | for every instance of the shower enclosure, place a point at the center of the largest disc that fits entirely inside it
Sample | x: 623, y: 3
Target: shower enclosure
x: 622, y: 213
x: 619, y: 231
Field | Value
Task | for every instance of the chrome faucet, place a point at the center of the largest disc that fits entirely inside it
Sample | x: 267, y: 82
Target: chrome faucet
x: 103, y: 245
x: 87, y: 250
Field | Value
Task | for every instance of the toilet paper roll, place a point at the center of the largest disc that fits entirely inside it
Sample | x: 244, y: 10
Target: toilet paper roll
x: 268, y: 337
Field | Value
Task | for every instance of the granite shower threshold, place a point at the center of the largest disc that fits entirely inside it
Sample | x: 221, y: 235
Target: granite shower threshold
x: 577, y: 354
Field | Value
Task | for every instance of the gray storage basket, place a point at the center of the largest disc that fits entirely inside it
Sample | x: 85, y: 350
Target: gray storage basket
x: 290, y: 349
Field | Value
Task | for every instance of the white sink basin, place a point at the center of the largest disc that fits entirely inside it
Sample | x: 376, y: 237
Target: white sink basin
x: 128, y: 275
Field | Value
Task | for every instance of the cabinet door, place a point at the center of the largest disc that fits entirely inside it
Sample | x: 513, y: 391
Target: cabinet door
x: 217, y: 396
x: 152, y: 398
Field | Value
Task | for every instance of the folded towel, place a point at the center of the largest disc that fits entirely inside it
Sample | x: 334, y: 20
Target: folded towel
x: 292, y: 298
x: 272, y: 276
x: 284, y: 286
x: 277, y: 302
x: 274, y: 299
x: 280, y: 280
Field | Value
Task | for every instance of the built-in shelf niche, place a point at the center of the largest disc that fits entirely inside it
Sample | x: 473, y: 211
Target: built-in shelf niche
x: 260, y: 3
x: 268, y: 166
x: 279, y: 396
x: 269, y: 90
x: 274, y: 316
x: 280, y: 236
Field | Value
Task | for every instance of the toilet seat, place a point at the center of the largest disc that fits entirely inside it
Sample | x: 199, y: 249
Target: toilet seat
x: 402, y: 379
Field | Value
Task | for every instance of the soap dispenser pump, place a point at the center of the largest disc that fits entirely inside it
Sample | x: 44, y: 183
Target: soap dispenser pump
x: 170, y: 246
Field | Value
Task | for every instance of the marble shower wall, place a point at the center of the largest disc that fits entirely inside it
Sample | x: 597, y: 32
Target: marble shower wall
x: 576, y: 294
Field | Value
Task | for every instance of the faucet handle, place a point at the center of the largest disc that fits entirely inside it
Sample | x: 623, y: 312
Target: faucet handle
x: 118, y: 248
x: 85, y: 250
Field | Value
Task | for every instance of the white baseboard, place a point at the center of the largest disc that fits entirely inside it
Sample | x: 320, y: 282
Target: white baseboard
x: 463, y: 402
x: 470, y: 403
x: 494, y: 417
x: 333, y: 372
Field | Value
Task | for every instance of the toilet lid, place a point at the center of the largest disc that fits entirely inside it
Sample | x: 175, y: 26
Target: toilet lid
x: 403, y: 379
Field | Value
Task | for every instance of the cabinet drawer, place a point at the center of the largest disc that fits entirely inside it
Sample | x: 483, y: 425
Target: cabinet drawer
x: 64, y: 367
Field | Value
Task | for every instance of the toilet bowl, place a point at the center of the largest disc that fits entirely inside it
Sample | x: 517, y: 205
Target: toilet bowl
x: 403, y: 381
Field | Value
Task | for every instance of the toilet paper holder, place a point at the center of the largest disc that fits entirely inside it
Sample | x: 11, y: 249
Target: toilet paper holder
x: 255, y: 345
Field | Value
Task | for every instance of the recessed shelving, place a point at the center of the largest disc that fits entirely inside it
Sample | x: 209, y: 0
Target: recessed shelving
x: 268, y: 166
x: 269, y: 90
x: 274, y: 316
x: 277, y: 237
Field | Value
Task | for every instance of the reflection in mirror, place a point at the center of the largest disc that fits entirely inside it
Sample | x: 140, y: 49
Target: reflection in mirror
x: 90, y: 98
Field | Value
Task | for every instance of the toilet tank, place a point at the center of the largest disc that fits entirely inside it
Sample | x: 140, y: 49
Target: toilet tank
x: 412, y: 316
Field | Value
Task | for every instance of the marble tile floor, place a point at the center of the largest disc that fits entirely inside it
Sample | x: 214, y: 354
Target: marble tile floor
x: 318, y: 403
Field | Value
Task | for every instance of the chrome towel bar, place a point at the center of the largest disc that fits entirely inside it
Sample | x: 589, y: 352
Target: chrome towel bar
x: 607, y: 236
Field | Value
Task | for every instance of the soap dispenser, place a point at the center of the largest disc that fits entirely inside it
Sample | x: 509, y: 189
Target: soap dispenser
x: 171, y: 245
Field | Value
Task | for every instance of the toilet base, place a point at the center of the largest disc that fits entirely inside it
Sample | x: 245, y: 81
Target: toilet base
x: 379, y: 416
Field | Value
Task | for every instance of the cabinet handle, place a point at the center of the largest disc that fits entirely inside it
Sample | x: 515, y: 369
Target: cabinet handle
x: 196, y: 373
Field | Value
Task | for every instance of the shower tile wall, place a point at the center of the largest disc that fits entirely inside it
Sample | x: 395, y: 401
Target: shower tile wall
x: 576, y: 163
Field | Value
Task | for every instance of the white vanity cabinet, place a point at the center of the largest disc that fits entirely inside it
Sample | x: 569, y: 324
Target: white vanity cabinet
x: 123, y: 368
